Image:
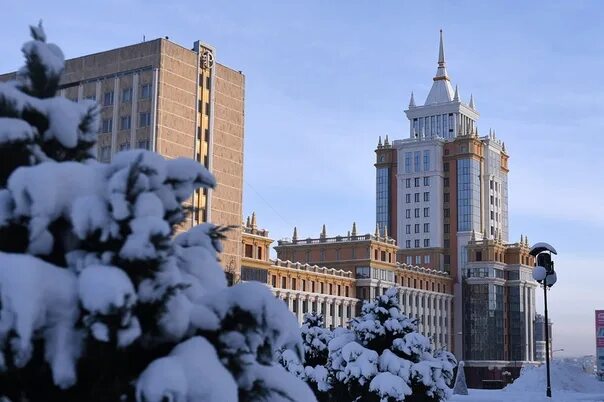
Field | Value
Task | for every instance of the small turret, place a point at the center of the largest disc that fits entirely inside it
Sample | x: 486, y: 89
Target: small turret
x: 253, y: 225
x: 295, y: 235
x: 471, y: 105
x: 323, y: 232
x: 412, y: 101
x: 379, y: 142
x: 377, y: 230
x: 354, y: 228
x: 456, y: 96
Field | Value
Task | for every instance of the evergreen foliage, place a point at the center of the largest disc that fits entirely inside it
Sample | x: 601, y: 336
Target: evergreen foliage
x: 101, y: 299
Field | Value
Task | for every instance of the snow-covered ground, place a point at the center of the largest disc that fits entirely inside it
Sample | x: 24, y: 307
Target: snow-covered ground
x: 569, y: 384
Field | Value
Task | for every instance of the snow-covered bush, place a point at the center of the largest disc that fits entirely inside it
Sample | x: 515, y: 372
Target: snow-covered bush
x: 383, y: 358
x: 315, y: 340
x: 99, y: 300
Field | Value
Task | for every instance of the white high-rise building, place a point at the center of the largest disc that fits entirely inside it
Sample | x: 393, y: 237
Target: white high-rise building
x: 444, y: 189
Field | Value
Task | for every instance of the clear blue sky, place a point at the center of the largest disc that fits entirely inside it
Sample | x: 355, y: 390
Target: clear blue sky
x: 325, y: 79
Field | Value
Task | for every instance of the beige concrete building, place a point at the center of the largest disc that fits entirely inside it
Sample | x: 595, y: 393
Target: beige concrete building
x: 176, y: 101
x: 304, y: 287
x: 370, y: 260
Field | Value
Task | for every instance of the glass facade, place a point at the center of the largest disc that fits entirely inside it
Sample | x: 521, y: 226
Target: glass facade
x: 382, y: 197
x: 468, y: 195
x: 483, y: 322
x: 517, y: 326
x: 254, y: 274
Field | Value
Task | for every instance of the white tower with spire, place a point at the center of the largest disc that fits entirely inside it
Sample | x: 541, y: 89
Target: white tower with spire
x: 443, y: 114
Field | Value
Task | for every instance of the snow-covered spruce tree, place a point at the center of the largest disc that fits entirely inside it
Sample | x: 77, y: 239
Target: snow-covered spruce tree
x: 315, y: 340
x: 99, y: 300
x: 383, y: 358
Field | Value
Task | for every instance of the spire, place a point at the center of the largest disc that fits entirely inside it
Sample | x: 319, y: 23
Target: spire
x: 323, y: 232
x: 521, y: 239
x: 386, y: 143
x: 253, y: 226
x: 380, y: 141
x: 441, y: 90
x: 377, y: 230
x: 386, y: 231
x: 354, y: 228
x: 295, y: 236
x: 456, y: 96
x: 412, y: 101
x: 526, y: 243
x: 247, y: 222
x: 503, y: 146
x: 472, y: 102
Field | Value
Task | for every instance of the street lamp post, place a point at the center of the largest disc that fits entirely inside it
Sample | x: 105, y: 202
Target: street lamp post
x: 544, y: 274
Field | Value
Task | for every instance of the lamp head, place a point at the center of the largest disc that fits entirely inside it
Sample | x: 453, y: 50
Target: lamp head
x: 541, y: 247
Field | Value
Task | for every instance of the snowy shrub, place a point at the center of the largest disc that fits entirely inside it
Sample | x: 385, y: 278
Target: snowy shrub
x: 383, y: 358
x: 99, y: 300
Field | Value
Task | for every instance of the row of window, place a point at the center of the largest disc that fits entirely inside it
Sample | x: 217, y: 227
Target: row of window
x: 418, y: 259
x: 416, y: 228
x: 416, y: 243
x: 416, y: 197
x: 416, y: 213
x: 326, y: 309
x: 144, y: 120
x: 416, y: 181
x: 104, y: 152
x: 415, y: 159
x: 126, y: 95
x: 310, y: 286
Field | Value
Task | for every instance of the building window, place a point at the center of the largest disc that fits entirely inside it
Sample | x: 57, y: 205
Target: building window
x: 126, y: 95
x: 446, y: 166
x: 416, y: 197
x: 426, y: 212
x: 416, y: 161
x: 207, y: 108
x: 447, y: 228
x: 446, y: 212
x: 303, y: 281
x: 331, y: 288
x: 416, y: 228
x: 408, y: 156
x: 108, y: 98
x: 408, y: 213
x: 407, y: 229
x: 427, y: 260
x: 346, y: 291
x: 322, y: 287
x: 446, y: 197
x: 125, y: 146
x: 339, y: 290
x: 407, y: 198
x: 426, y: 161
x: 249, y: 249
x: 144, y: 119
x: 408, y: 243
x: 143, y: 144
x: 146, y: 91
x: 125, y: 122
x: 479, y: 256
x: 426, y: 242
x: 418, y: 260
x: 274, y: 281
x: 409, y: 260
x: 416, y: 212
x: 416, y: 181
x: 106, y: 125
x: 407, y: 183
x: 294, y: 287
x: 447, y: 243
x: 416, y: 243
x: 283, y: 282
x: 446, y: 182
x: 105, y: 153
x: 426, y: 196
x: 426, y: 227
